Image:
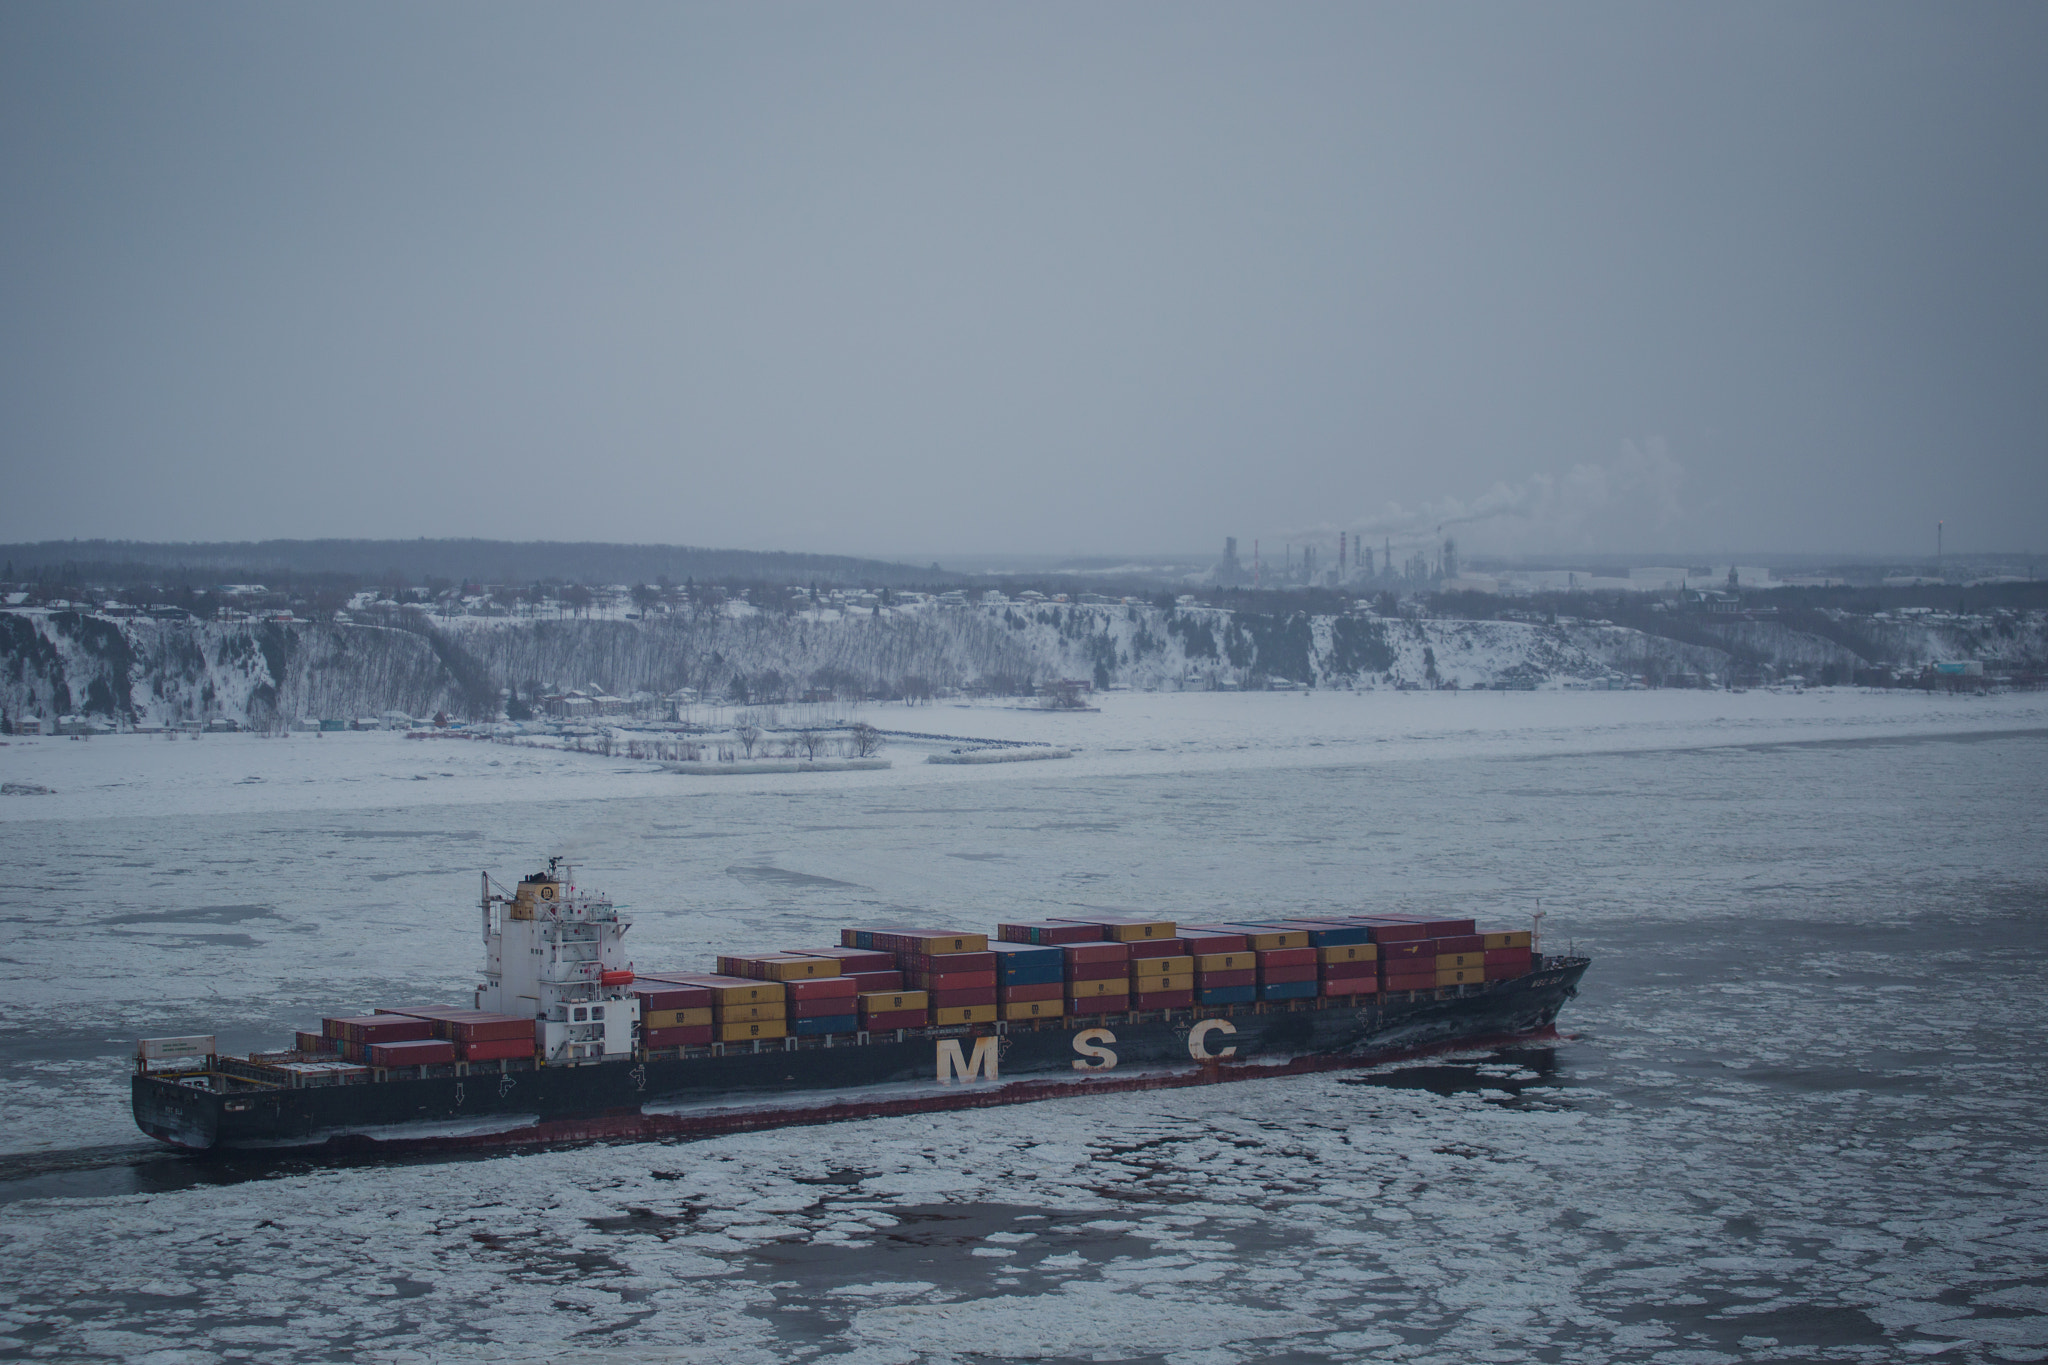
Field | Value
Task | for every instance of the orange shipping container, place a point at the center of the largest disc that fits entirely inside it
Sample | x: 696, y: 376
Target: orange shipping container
x: 1033, y: 1009
x: 734, y: 1014
x: 964, y: 1014
x: 1460, y: 976
x: 738, y: 1032
x: 1445, y: 961
x: 671, y: 1018
x: 888, y: 1002
x: 1518, y: 939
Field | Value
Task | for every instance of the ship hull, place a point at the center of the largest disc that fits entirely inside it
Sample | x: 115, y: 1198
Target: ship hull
x: 689, y: 1096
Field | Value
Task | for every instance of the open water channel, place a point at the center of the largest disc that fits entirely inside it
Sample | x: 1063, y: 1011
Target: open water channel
x: 1796, y: 1113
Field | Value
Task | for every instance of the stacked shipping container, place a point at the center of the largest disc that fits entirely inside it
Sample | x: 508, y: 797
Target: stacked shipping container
x: 905, y: 978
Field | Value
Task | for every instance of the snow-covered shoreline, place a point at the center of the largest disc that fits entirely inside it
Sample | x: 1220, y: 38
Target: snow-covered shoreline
x: 130, y: 776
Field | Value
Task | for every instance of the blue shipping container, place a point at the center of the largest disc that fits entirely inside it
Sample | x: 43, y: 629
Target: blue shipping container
x: 1338, y: 938
x: 1230, y: 995
x: 1026, y: 964
x: 1287, y: 990
x: 827, y: 1023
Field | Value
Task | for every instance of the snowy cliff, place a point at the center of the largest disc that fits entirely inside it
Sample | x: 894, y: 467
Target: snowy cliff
x: 165, y: 671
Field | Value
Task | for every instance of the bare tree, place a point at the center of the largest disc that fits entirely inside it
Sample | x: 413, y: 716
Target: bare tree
x: 809, y: 742
x: 865, y: 739
x: 748, y: 736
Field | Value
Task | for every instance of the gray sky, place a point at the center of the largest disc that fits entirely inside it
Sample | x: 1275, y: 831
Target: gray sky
x: 1043, y: 278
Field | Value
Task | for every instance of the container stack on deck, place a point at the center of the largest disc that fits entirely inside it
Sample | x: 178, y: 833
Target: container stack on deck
x: 882, y: 980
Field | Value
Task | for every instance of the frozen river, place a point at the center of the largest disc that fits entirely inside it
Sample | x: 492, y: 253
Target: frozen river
x: 1796, y: 1115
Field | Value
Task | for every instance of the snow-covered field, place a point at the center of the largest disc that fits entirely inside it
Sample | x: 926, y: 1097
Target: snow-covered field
x: 1134, y: 733
x: 1796, y: 1118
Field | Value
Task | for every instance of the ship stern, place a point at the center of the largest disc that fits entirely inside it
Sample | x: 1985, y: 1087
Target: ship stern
x: 178, y: 1115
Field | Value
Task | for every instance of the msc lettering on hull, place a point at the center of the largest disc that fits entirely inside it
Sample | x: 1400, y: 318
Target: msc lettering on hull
x: 982, y: 1062
x: 1198, y: 1040
x: 1094, y: 1055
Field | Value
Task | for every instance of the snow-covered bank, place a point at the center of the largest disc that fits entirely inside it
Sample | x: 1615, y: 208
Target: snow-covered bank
x: 156, y: 672
x: 125, y: 776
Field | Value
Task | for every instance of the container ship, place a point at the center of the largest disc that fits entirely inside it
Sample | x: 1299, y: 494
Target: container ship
x: 565, y: 1041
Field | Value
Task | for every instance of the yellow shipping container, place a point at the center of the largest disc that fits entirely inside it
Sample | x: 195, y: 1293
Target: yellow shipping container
x: 1447, y: 960
x: 758, y: 1028
x: 696, y: 1018
x: 1137, y: 933
x: 1459, y: 976
x: 750, y: 993
x: 1034, y: 1009
x: 1161, y: 966
x: 1349, y: 952
x: 1152, y: 985
x: 932, y: 944
x: 964, y: 1014
x: 887, y: 1002
x: 1518, y: 939
x: 733, y: 1014
x: 794, y: 968
x: 1226, y: 962
x: 1109, y: 985
x: 1264, y: 939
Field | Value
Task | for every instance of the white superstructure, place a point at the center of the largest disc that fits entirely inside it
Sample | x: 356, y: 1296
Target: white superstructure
x: 556, y: 955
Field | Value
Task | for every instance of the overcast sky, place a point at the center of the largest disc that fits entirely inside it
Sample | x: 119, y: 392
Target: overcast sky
x: 1122, y: 278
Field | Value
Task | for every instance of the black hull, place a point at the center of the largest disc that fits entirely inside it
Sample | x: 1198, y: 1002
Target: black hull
x: 672, y: 1096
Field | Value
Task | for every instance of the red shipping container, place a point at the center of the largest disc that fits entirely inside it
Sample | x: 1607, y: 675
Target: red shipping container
x: 1347, y: 971
x: 1164, y: 1000
x: 1387, y: 931
x: 1449, y: 928
x: 1462, y: 943
x: 952, y: 981
x: 1421, y: 981
x: 1159, y: 947
x: 821, y: 988
x: 894, y: 1019
x: 1079, y: 953
x: 865, y: 983
x: 1247, y: 977
x: 1204, y: 944
x: 695, y: 1035
x: 850, y: 960
x: 1286, y: 957
x: 378, y: 1028
x: 977, y: 995
x: 1280, y: 976
x: 479, y: 1026
x: 815, y: 1008
x: 320, y: 1042
x: 661, y: 995
x: 1101, y: 1004
x: 1098, y: 971
x: 1420, y: 948
x: 412, y: 1052
x: 1509, y: 957
x: 1020, y: 995
x: 495, y: 1049
x: 428, y: 1011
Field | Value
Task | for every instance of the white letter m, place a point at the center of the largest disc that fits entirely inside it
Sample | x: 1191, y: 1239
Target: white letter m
x: 983, y: 1061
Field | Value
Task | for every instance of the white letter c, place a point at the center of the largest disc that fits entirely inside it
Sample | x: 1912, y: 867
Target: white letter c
x: 1198, y: 1040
